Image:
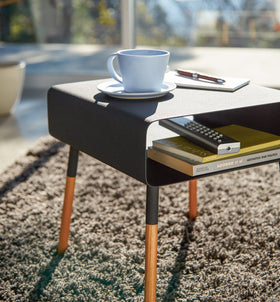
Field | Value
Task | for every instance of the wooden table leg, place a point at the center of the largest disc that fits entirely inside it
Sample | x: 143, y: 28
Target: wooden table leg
x: 68, y: 200
x: 193, y: 198
x: 151, y: 243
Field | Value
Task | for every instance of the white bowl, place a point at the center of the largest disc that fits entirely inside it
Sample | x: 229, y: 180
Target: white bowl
x: 12, y: 75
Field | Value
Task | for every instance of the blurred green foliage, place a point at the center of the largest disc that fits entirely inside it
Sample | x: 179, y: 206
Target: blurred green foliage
x: 91, y: 21
x: 16, y: 23
x: 99, y: 22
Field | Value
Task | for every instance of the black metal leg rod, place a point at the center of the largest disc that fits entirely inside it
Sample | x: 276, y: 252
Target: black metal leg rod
x: 72, y: 162
x: 152, y: 205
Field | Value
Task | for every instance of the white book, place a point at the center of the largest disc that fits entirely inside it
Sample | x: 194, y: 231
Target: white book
x: 230, y: 84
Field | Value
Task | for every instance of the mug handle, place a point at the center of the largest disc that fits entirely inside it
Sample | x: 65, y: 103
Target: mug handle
x: 111, y: 68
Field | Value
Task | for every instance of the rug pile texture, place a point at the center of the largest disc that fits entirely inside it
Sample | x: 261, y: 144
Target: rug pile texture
x: 231, y: 252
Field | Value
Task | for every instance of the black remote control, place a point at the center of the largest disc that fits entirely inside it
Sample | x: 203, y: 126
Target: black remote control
x: 201, y: 135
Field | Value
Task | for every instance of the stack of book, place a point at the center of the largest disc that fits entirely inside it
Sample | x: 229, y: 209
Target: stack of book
x: 180, y: 154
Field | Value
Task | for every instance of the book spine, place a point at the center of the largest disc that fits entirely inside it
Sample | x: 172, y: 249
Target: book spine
x: 236, y: 162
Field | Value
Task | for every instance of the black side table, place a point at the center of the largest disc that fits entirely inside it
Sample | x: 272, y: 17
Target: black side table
x: 115, y: 132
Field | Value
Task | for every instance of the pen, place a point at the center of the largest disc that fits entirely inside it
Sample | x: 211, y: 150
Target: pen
x: 197, y: 76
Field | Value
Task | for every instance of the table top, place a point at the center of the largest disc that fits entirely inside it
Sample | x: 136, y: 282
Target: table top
x: 115, y: 130
x: 181, y: 101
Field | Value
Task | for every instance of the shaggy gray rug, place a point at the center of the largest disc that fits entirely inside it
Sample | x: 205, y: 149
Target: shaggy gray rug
x: 231, y: 252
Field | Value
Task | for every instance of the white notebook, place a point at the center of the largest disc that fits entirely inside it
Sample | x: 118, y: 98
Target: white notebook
x: 230, y: 84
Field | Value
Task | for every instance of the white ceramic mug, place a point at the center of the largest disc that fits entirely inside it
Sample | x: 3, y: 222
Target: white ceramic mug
x: 141, y: 70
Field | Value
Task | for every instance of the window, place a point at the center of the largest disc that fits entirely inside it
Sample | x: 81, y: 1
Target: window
x: 235, y: 23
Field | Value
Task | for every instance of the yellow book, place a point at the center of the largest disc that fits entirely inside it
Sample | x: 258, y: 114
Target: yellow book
x: 251, y: 140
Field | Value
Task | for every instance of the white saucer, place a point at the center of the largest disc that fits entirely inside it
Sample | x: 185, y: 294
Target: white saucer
x: 115, y: 89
